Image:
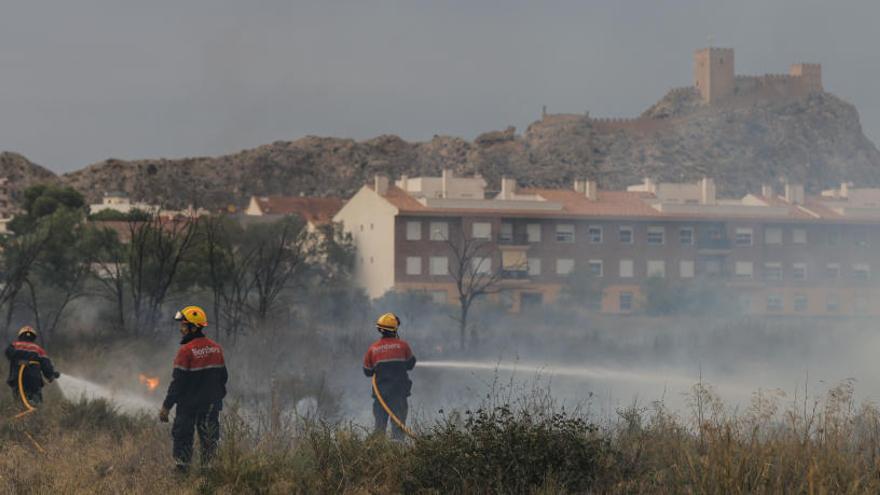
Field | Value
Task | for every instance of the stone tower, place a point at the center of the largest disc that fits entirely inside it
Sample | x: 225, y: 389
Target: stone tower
x: 713, y: 73
x: 810, y: 76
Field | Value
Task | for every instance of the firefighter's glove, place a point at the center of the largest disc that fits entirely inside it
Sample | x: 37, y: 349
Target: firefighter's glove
x: 56, y: 376
x: 163, y: 415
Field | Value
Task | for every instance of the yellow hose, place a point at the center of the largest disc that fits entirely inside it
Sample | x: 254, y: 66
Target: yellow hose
x: 388, y: 410
x: 21, y: 393
x: 26, y: 403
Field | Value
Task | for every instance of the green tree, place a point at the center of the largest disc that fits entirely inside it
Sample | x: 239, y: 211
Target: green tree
x: 43, y: 200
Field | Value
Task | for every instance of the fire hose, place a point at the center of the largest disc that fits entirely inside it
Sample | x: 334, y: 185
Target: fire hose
x: 391, y: 414
x: 24, y: 400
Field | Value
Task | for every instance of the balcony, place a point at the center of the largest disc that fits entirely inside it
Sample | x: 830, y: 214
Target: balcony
x: 515, y: 274
x: 722, y: 244
x: 513, y: 240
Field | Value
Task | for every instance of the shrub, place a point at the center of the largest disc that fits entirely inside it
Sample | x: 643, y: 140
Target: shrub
x: 502, y: 451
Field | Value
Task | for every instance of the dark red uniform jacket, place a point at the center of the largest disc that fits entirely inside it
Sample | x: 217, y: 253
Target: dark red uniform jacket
x: 199, y: 377
x: 22, y: 351
x: 389, y: 358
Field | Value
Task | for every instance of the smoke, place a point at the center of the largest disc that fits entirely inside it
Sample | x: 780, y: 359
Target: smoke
x: 310, y: 366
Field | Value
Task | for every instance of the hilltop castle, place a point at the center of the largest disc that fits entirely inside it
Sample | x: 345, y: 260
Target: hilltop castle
x: 715, y: 83
x: 716, y: 80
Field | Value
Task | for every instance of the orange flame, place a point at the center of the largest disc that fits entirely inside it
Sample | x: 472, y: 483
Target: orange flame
x: 152, y: 382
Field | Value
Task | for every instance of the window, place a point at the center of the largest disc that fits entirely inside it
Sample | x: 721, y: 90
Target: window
x: 625, y: 235
x: 713, y: 267
x: 594, y: 232
x: 625, y: 301
x: 861, y: 271
x: 774, y: 302
x: 414, y: 231
x: 414, y: 265
x: 860, y: 304
x: 626, y: 268
x: 439, y: 296
x: 564, y: 266
x: 514, y: 261
x: 743, y: 236
x: 800, y: 303
x: 743, y: 269
x: 481, y: 265
x: 655, y: 235
x: 832, y: 271
x: 596, y: 268
x: 439, y: 231
x: 834, y: 237
x: 686, y: 236
x: 772, y: 235
x: 799, y: 236
x: 481, y: 230
x: 656, y: 268
x: 832, y: 303
x: 772, y: 271
x: 529, y: 300
x: 565, y: 232
x: 860, y: 237
x: 534, y: 266
x: 799, y: 271
x: 533, y: 231
x: 438, y: 265
x: 506, y: 233
x: 686, y: 269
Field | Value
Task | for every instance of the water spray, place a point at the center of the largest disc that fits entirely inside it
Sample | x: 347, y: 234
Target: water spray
x: 74, y: 388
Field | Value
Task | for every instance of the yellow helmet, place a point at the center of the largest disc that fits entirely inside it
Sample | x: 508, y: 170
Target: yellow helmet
x: 389, y: 322
x: 27, y: 329
x: 194, y: 315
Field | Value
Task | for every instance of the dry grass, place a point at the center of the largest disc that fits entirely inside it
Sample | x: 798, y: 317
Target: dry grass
x: 779, y: 444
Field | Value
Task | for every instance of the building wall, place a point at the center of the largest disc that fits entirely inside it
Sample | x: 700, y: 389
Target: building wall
x: 253, y: 208
x: 843, y: 244
x: 370, y: 220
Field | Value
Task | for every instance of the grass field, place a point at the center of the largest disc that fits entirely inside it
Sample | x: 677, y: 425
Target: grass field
x: 778, y: 444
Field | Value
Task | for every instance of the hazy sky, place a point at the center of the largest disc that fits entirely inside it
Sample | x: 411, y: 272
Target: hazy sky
x: 85, y: 80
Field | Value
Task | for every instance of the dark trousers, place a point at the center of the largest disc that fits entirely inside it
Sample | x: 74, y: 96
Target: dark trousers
x: 35, y: 397
x: 400, y: 408
x: 204, y: 420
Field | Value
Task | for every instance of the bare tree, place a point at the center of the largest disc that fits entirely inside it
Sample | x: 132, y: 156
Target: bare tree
x: 108, y: 269
x: 156, y: 251
x: 228, y: 266
x: 476, y: 270
x: 279, y: 252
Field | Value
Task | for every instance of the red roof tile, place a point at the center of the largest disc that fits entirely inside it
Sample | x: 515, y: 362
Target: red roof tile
x: 621, y: 204
x: 311, y: 209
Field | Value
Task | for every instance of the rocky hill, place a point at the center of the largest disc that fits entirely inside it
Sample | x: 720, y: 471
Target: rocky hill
x: 817, y: 139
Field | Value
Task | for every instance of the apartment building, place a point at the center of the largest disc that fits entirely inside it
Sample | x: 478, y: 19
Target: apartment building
x: 783, y: 252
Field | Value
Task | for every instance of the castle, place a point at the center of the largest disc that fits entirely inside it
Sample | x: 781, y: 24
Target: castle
x: 715, y: 83
x: 716, y: 80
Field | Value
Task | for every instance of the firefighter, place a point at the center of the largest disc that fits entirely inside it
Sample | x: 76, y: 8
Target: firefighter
x: 389, y: 358
x: 25, y: 351
x: 197, y: 388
